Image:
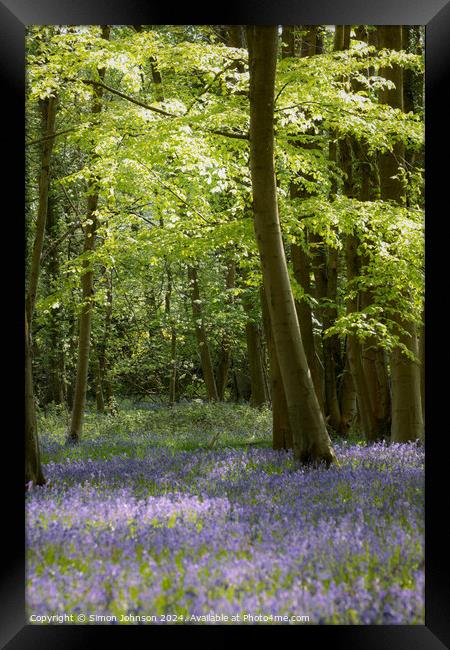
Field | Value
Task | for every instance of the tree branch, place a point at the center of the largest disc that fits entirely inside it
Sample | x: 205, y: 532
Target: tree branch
x: 49, y: 137
x: 160, y: 111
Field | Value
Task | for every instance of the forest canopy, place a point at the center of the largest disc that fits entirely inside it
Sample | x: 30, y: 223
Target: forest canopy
x: 145, y: 279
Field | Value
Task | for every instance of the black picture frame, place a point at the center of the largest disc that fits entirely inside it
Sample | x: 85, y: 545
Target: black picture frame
x: 15, y: 15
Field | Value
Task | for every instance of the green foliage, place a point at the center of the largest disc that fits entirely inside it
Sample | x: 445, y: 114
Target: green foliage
x: 171, y: 191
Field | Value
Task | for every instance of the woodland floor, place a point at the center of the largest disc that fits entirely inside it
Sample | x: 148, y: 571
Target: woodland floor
x: 148, y: 517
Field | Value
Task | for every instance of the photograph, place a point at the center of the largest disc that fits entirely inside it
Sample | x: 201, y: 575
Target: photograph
x: 227, y: 327
x: 224, y: 309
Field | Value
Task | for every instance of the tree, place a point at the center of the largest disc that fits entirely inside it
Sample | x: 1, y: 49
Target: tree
x: 202, y: 339
x: 407, y: 420
x: 310, y: 437
x: 84, y: 341
x: 33, y: 470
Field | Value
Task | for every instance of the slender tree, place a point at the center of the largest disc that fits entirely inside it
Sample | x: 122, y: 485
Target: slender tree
x: 310, y: 436
x: 300, y: 258
x: 254, y: 352
x: 224, y: 363
x: 33, y: 470
x: 202, y: 339
x: 407, y: 420
x: 87, y: 283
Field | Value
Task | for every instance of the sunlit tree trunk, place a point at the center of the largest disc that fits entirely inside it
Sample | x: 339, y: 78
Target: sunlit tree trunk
x: 202, y: 339
x: 310, y: 436
x: 87, y: 288
x: 407, y: 421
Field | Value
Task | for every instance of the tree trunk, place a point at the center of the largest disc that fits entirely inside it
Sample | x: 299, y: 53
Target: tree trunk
x: 302, y: 269
x: 310, y: 436
x: 103, y: 355
x: 281, y: 429
x: 300, y: 259
x: 200, y: 333
x: 367, y: 420
x: 224, y: 363
x: 422, y: 362
x: 98, y: 387
x: 173, y: 375
x: 49, y: 112
x: 347, y: 397
x: 254, y: 353
x: 56, y: 358
x: 325, y: 274
x: 354, y: 351
x: 407, y: 421
x: 87, y: 289
x: 377, y: 379
x: 33, y: 469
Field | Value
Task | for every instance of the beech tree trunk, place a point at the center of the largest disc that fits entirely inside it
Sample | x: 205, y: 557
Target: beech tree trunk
x: 202, y: 339
x: 87, y: 288
x: 310, y: 436
x: 407, y: 420
x: 281, y: 429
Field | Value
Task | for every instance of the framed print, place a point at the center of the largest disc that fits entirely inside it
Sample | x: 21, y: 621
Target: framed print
x: 233, y: 234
